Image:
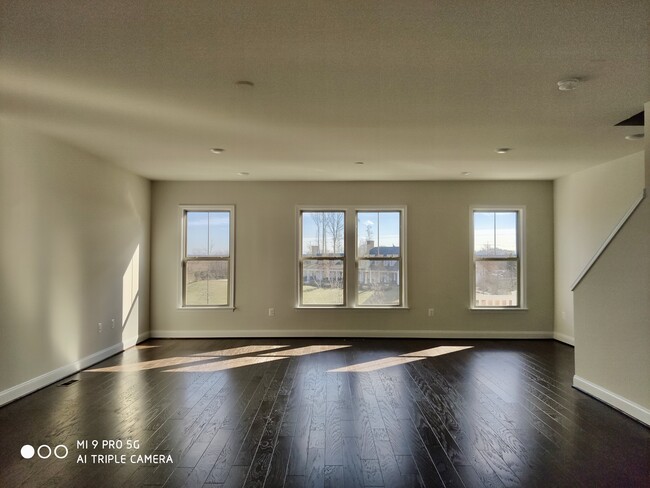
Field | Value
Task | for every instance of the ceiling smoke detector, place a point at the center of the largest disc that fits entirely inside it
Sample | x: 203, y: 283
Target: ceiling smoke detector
x: 503, y: 150
x: 568, y: 84
x: 217, y: 150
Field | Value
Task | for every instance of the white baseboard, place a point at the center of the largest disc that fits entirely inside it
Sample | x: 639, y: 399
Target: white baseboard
x: 46, y: 379
x: 567, y: 339
x: 629, y: 407
x: 371, y: 333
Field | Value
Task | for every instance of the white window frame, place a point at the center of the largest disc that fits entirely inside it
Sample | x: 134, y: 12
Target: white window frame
x: 401, y: 258
x: 350, y: 266
x: 521, y: 257
x: 302, y: 258
x: 183, y: 210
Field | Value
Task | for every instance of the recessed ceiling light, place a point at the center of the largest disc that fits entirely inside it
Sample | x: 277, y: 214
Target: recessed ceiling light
x: 243, y: 173
x: 466, y: 173
x: 244, y: 84
x: 216, y: 150
x: 502, y: 150
x: 358, y: 162
x: 634, y: 137
x: 568, y: 84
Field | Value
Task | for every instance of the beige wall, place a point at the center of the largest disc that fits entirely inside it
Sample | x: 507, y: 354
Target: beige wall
x: 588, y: 205
x: 612, y: 318
x: 70, y: 227
x: 438, y: 259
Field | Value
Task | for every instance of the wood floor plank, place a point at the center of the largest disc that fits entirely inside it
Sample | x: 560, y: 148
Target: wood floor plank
x: 496, y: 414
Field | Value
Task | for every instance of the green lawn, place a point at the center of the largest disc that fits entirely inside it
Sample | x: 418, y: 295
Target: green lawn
x: 389, y: 296
x: 334, y: 296
x: 321, y: 296
x: 209, y: 292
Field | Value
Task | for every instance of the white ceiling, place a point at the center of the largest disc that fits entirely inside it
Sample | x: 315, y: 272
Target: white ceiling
x: 415, y: 89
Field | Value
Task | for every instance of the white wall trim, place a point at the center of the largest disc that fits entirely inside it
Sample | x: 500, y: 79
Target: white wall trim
x: 609, y: 239
x: 46, y: 379
x: 567, y: 339
x: 406, y: 334
x: 626, y: 406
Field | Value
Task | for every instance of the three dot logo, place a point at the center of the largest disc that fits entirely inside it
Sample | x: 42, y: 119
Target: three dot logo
x: 27, y: 451
x: 44, y: 451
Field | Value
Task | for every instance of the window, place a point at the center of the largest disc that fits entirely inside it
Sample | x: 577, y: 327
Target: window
x: 379, y: 258
x: 375, y: 278
x: 322, y: 258
x: 497, y: 270
x: 207, y: 257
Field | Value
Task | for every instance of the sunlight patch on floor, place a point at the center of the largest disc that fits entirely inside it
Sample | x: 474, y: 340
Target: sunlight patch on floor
x: 156, y: 363
x: 303, y: 351
x: 188, y: 364
x: 436, y: 351
x: 222, y: 365
x: 398, y: 360
x: 238, y: 351
x: 374, y: 365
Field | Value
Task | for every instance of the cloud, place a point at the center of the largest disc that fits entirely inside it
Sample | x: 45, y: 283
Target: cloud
x: 369, y: 222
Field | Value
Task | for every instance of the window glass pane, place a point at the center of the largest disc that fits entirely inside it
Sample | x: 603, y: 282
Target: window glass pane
x: 506, y: 234
x: 496, y: 284
x: 322, y: 282
x: 219, y: 234
x: 495, y: 234
x: 197, y: 234
x: 206, y: 283
x: 323, y: 233
x: 378, y: 233
x: 388, y: 234
x: 378, y: 282
x: 484, y: 239
x: 367, y: 225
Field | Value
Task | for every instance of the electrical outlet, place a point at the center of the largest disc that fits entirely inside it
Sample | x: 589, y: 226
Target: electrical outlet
x: 99, y: 327
x: 430, y: 312
x: 112, y: 323
x: 271, y: 312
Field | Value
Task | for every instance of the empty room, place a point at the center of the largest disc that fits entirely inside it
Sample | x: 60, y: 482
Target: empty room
x: 336, y: 243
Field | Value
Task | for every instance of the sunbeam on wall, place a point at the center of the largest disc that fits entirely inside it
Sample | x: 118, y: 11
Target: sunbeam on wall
x: 130, y: 290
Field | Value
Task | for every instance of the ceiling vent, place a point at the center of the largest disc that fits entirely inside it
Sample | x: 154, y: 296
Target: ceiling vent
x: 634, y: 120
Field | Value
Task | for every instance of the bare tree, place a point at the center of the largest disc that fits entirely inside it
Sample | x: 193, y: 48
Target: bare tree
x: 317, y: 217
x: 334, y: 224
x: 369, y: 233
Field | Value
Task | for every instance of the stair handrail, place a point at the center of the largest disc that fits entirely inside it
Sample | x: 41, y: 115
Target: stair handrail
x: 609, y: 239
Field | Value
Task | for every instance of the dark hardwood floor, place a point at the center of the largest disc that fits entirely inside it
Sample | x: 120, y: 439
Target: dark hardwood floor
x: 326, y: 413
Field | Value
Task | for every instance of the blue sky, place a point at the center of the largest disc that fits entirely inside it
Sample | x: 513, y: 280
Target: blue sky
x: 501, y: 226
x: 208, y: 233
x: 382, y: 226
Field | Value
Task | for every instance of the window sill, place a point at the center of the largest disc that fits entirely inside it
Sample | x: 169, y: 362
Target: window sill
x: 232, y: 309
x: 324, y: 307
x: 498, y: 309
